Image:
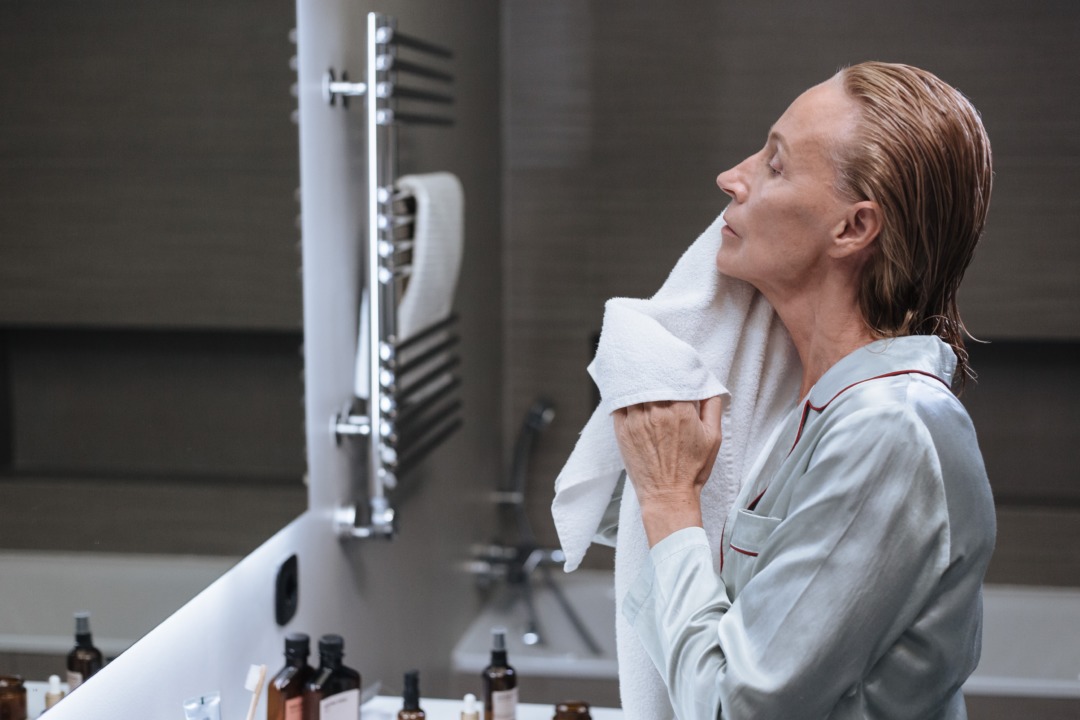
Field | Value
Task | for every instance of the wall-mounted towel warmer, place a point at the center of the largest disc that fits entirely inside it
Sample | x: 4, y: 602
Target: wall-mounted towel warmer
x: 411, y: 406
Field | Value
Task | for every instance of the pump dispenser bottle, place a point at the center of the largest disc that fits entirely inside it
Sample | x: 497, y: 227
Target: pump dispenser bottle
x: 84, y: 659
x: 333, y: 693
x: 500, y: 682
x: 285, y: 694
x: 411, y: 698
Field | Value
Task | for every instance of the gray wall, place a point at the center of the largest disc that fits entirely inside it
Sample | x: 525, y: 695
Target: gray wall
x: 619, y: 116
x: 150, y: 314
x: 150, y: 301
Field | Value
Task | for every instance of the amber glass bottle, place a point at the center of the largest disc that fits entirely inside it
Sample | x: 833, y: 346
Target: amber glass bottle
x: 500, y: 682
x: 572, y: 710
x: 410, y: 707
x: 84, y: 659
x: 12, y: 698
x: 285, y: 695
x: 332, y: 678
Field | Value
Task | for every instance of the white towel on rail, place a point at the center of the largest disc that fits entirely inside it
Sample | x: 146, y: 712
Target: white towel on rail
x: 701, y: 334
x: 438, y: 245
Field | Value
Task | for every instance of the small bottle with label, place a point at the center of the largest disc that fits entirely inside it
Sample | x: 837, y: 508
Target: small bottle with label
x: 410, y: 706
x: 500, y: 682
x: 84, y: 659
x: 285, y: 694
x: 55, y: 693
x: 333, y: 693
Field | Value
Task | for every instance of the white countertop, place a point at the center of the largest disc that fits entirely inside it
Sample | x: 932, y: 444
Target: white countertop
x: 386, y: 708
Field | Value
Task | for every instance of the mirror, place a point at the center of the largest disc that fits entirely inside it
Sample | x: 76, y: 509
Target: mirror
x: 151, y: 417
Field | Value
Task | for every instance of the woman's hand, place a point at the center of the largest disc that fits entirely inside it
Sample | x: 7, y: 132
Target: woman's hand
x: 669, y: 449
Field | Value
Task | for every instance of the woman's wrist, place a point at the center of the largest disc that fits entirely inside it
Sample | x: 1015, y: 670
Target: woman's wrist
x: 664, y: 515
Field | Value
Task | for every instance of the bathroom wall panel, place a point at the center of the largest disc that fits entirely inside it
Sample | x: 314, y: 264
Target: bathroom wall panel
x: 610, y: 173
x: 148, y: 164
x: 138, y: 514
x: 390, y: 593
x: 122, y: 403
x: 165, y: 442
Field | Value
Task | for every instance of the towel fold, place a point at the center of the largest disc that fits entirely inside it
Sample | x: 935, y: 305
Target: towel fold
x: 702, y: 334
x: 438, y: 245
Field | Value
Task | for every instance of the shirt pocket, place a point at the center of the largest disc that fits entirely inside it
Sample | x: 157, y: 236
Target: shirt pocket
x: 750, y: 533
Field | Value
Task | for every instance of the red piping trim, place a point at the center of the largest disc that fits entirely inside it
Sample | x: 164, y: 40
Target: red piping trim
x: 740, y: 550
x: 808, y: 407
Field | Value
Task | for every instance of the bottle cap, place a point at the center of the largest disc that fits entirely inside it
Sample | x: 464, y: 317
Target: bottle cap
x: 498, y: 638
x: 470, y: 712
x: 297, y: 644
x: 54, y: 684
x: 331, y: 645
x: 82, y: 623
x: 411, y: 694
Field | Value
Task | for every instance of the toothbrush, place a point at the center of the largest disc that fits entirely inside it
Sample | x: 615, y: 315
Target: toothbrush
x: 255, y: 678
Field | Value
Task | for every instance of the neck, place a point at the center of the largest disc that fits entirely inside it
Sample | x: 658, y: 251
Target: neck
x: 825, y: 325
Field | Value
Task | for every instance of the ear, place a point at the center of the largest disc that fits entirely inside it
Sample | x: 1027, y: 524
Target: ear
x: 857, y: 230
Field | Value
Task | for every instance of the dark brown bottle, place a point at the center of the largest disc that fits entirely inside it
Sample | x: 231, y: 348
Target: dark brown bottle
x: 572, y: 710
x: 285, y: 694
x: 84, y: 659
x: 12, y: 698
x: 410, y: 709
x: 332, y: 678
x: 500, y: 682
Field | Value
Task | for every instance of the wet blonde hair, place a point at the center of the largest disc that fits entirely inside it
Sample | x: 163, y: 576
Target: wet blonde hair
x: 921, y: 153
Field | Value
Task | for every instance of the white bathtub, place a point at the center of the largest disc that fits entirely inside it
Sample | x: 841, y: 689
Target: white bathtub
x: 127, y: 596
x: 1031, y: 638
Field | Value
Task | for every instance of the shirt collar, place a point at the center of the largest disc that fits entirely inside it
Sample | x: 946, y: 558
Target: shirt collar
x: 922, y: 353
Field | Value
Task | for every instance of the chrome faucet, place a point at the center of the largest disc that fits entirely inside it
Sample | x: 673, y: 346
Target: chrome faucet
x: 518, y: 563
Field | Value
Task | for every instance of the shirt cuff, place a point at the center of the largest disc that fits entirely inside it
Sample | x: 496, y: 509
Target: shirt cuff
x: 639, y: 594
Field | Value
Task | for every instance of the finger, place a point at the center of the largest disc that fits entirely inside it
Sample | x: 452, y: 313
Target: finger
x: 711, y: 413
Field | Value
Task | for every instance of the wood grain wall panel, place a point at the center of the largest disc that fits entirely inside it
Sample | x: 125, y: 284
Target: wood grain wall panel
x: 116, y: 404
x: 1024, y: 408
x: 148, y: 165
x: 1036, y: 546
x: 144, y: 515
x: 610, y: 173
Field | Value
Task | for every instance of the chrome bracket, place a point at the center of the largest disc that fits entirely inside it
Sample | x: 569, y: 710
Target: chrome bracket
x: 332, y: 88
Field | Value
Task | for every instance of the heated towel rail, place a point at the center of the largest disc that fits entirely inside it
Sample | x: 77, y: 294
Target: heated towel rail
x: 411, y: 405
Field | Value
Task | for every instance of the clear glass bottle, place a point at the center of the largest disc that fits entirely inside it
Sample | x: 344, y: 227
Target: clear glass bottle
x: 334, y: 680
x: 500, y: 682
x: 12, y: 698
x: 285, y: 694
x: 84, y: 660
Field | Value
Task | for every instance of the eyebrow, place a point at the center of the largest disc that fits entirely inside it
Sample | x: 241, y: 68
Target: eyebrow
x: 775, y: 137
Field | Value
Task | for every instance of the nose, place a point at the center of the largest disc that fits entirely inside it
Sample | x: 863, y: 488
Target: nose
x: 731, y: 182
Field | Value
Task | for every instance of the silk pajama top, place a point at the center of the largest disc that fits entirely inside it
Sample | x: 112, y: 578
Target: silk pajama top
x: 850, y: 576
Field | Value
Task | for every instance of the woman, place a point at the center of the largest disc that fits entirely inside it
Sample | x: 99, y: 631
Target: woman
x: 852, y: 562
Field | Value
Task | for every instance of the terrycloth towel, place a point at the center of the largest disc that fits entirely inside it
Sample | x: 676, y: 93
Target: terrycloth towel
x: 702, y: 334
x: 438, y: 245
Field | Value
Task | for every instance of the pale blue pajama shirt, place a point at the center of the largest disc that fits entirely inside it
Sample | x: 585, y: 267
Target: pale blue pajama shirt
x: 849, y: 583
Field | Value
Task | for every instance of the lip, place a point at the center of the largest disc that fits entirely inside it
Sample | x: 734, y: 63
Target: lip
x: 726, y: 230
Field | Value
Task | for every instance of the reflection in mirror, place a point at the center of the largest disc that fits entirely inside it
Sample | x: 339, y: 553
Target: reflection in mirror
x: 151, y: 421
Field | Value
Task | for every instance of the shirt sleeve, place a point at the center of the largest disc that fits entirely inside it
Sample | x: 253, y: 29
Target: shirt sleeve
x: 860, y: 551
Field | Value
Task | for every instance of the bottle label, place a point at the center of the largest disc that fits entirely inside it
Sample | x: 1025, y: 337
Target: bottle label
x: 343, y: 706
x: 294, y: 708
x: 74, y: 679
x: 504, y: 704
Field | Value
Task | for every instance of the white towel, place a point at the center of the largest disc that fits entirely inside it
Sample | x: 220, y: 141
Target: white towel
x: 702, y: 334
x: 438, y: 240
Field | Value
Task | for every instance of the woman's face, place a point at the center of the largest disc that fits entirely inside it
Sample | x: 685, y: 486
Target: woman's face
x: 784, y: 208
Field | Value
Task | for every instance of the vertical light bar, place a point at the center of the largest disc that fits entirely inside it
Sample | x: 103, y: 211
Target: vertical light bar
x: 376, y: 494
